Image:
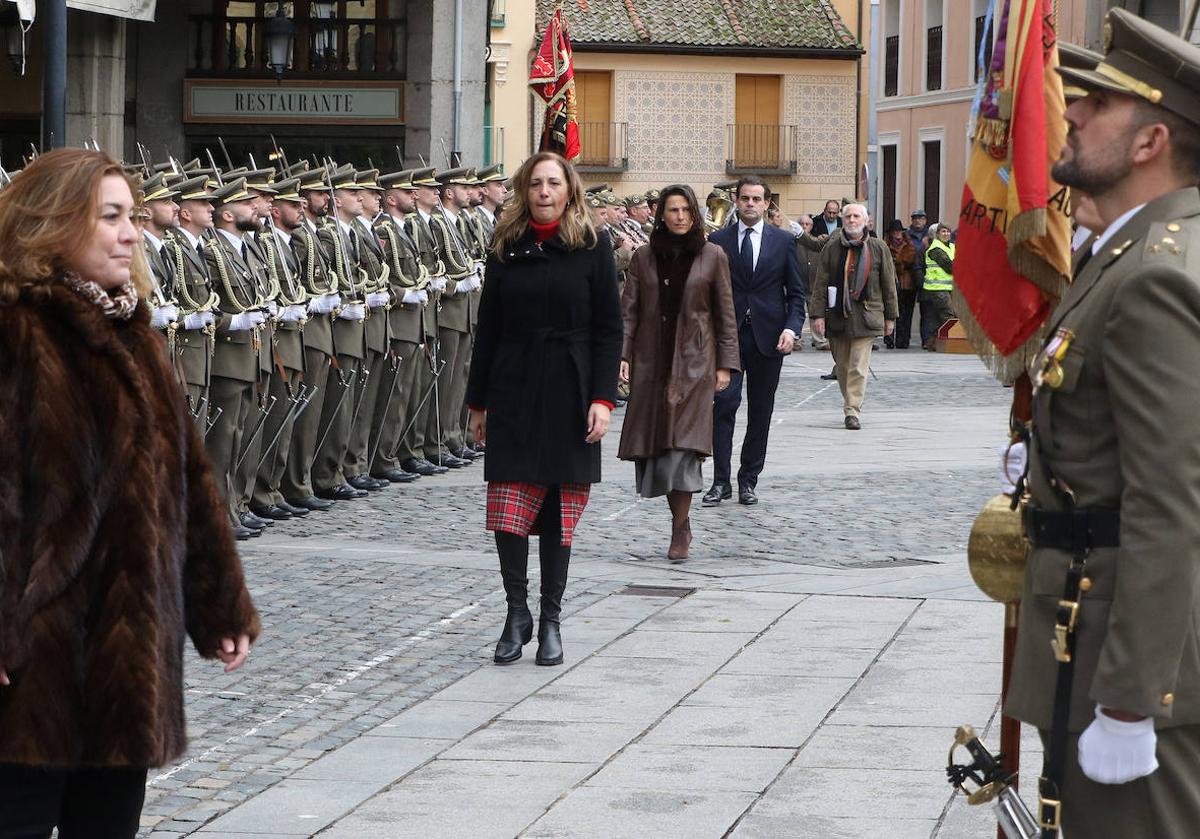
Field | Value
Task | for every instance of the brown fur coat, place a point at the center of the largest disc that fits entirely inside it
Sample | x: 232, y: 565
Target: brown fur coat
x: 113, y: 539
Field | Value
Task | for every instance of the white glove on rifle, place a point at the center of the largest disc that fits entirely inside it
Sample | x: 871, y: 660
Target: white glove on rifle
x: 163, y: 315
x: 273, y: 308
x: 259, y: 317
x: 469, y: 284
x: 325, y: 304
x: 242, y: 321
x: 292, y: 314
x: 438, y: 283
x: 1012, y: 466
x: 354, y: 311
x: 1115, y: 752
x: 197, y: 320
x: 378, y: 298
x: 413, y: 297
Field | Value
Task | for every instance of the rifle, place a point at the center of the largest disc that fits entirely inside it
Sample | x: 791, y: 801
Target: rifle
x: 225, y: 151
x: 278, y: 156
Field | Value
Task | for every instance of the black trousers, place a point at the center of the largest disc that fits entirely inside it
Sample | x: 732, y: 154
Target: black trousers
x: 908, y: 303
x: 761, y: 373
x: 87, y: 803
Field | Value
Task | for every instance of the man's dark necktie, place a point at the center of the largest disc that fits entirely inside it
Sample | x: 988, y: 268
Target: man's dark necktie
x: 748, y: 252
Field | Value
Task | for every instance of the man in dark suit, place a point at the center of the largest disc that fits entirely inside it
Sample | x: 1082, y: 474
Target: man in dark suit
x: 769, y: 289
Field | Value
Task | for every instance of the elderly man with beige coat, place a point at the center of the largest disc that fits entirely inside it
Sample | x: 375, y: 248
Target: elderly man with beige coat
x: 853, y: 300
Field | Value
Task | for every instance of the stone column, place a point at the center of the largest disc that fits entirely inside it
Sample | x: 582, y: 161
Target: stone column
x: 158, y: 60
x: 96, y: 80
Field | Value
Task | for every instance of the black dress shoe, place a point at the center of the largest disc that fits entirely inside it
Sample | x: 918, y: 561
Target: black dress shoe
x: 716, y: 494
x: 273, y: 513
x: 395, y: 476
x: 251, y: 522
x: 258, y: 520
x: 830, y: 377
x: 550, y: 651
x: 341, y: 492
x: 367, y: 484
x: 312, y: 503
x: 243, y: 533
x: 295, y: 510
x: 517, y: 632
x: 448, y: 460
x: 466, y: 454
x: 419, y: 466
x: 746, y: 495
x: 852, y: 424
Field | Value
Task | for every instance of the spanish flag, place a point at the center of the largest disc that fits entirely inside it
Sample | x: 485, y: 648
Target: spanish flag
x: 1013, y: 256
x: 552, y: 78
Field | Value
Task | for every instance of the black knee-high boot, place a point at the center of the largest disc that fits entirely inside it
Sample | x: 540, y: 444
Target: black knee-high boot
x: 554, y: 558
x: 514, y: 568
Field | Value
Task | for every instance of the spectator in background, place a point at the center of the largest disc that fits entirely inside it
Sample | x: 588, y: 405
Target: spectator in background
x: 808, y: 247
x: 903, y: 256
x: 939, y: 281
x: 830, y: 220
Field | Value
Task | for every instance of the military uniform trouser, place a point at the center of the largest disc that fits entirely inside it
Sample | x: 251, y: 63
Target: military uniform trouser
x: 412, y: 443
x: 297, y: 473
x: 274, y: 455
x: 337, y: 411
x: 458, y: 436
x: 853, y: 359
x: 392, y: 416
x: 363, y: 412
x: 252, y: 447
x: 447, y: 415
x: 197, y: 399
x: 235, y: 400
x: 1163, y: 805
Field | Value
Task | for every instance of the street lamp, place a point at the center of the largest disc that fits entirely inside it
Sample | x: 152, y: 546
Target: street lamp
x: 278, y: 35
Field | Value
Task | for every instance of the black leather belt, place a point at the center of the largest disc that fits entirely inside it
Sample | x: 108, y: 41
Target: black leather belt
x: 1075, y: 531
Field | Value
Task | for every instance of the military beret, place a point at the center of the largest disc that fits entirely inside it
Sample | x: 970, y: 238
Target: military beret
x: 598, y: 188
x: 653, y: 195
x: 593, y: 200
x: 635, y: 199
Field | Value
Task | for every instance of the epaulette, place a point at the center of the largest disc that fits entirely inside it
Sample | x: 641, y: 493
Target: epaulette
x: 1166, y: 241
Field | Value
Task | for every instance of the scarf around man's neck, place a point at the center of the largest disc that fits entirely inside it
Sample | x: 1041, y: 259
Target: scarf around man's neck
x: 858, y: 269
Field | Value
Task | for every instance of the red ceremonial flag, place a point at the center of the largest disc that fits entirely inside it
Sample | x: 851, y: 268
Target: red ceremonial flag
x: 1013, y: 249
x: 552, y: 78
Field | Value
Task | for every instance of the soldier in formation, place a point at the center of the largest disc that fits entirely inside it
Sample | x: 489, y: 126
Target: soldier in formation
x: 319, y: 320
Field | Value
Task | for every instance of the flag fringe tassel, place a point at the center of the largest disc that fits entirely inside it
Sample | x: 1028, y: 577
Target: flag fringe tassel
x: 1006, y: 368
x: 1028, y: 262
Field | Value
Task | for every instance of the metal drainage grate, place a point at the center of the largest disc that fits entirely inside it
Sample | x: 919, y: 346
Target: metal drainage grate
x: 656, y: 591
x: 887, y: 562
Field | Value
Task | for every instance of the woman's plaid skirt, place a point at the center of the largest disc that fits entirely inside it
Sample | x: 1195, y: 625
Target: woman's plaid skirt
x: 513, y: 507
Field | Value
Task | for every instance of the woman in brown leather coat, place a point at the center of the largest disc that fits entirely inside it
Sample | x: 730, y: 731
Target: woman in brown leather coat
x: 680, y: 347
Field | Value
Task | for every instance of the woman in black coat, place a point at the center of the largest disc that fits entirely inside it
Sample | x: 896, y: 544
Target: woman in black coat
x: 542, y: 385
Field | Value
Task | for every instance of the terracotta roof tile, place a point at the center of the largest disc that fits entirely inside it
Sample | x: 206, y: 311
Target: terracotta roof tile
x: 769, y: 24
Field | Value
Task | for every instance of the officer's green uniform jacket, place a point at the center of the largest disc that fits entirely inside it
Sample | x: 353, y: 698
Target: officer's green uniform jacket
x: 422, y: 236
x: 349, y: 336
x: 401, y: 254
x: 1122, y: 430
x: 236, y: 355
x: 455, y: 309
x: 370, y: 259
x: 317, y: 278
x: 194, y: 346
x: 288, y: 340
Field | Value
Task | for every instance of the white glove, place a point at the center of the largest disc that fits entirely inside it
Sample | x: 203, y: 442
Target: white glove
x: 438, y: 283
x: 424, y: 296
x: 413, y: 297
x: 1115, y: 752
x: 378, y: 298
x: 197, y: 320
x: 469, y: 284
x: 292, y: 314
x: 163, y: 315
x: 324, y: 304
x: 273, y: 308
x: 479, y: 268
x: 259, y: 317
x: 1012, y: 466
x: 355, y: 311
x: 242, y: 321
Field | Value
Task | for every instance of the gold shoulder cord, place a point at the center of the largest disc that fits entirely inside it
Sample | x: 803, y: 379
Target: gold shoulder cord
x: 310, y: 267
x: 456, y: 270
x: 191, y: 307
x: 223, y: 270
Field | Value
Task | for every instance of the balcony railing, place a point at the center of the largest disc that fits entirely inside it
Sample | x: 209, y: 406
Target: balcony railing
x: 325, y: 46
x: 604, y: 146
x: 933, y: 58
x: 761, y: 148
x: 891, y: 66
x: 493, y: 144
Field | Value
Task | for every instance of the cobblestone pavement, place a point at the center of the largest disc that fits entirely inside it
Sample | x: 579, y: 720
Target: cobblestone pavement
x: 374, y: 607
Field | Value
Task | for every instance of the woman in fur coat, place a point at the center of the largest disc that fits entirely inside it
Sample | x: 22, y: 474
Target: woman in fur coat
x: 114, y: 544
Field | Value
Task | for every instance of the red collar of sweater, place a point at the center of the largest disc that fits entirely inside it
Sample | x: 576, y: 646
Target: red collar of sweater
x: 542, y: 232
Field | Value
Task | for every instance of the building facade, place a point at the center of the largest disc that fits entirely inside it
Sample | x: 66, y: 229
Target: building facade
x: 925, y: 83
x: 361, y: 80
x: 697, y: 92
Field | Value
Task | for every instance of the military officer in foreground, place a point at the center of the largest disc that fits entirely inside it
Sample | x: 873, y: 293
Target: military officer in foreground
x: 1110, y: 620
